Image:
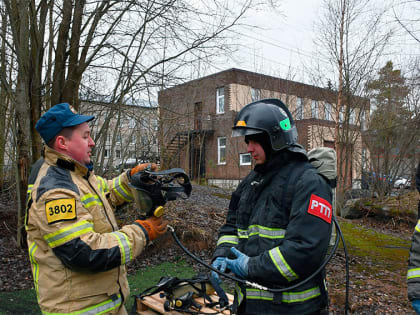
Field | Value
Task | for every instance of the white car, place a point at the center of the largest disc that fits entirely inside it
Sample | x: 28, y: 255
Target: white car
x: 402, y: 183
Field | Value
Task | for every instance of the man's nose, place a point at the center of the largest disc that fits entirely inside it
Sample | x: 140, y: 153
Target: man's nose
x: 91, y: 142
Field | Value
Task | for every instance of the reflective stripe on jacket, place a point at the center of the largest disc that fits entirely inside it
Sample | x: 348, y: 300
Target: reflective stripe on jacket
x: 285, y: 244
x: 413, y: 273
x: 76, y: 249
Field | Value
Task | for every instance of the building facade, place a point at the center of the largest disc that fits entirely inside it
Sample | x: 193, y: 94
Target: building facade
x: 124, y: 134
x: 197, y: 118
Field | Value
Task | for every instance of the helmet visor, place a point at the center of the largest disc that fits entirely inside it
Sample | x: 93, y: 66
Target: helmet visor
x: 241, y: 131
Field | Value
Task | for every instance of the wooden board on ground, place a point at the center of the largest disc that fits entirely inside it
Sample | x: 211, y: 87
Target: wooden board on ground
x: 153, y: 304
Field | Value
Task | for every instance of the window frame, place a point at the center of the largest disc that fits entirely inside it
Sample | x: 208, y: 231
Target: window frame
x: 241, y: 155
x: 219, y: 99
x: 314, y: 109
x: 328, y: 113
x: 219, y: 148
x: 299, y: 108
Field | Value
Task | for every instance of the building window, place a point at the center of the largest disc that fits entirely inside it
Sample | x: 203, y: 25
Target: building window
x: 314, y: 109
x: 363, y: 120
x: 106, y: 154
x: 341, y: 115
x: 221, y: 150
x: 245, y: 159
x: 220, y: 100
x: 131, y: 123
x: 255, y: 94
x: 299, y: 108
x: 352, y: 118
x: 155, y: 124
x: 118, y: 154
x: 328, y: 111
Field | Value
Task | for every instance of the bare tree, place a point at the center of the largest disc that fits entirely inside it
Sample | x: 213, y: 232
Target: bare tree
x: 135, y: 46
x: 351, y: 40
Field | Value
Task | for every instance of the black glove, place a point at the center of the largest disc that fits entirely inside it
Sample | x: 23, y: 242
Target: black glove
x: 143, y: 181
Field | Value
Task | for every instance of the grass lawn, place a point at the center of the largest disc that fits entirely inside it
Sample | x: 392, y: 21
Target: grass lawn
x: 24, y: 302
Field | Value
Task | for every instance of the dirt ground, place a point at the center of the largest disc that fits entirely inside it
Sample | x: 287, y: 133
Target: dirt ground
x: 376, y: 286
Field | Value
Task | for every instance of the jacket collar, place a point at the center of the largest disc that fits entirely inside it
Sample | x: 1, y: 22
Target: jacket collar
x: 56, y: 158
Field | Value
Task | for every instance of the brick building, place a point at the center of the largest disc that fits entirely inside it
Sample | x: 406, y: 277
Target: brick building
x: 197, y: 118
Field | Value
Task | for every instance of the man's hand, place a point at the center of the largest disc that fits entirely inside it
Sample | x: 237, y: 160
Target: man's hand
x: 238, y: 266
x: 141, y: 167
x: 154, y: 226
x: 220, y: 264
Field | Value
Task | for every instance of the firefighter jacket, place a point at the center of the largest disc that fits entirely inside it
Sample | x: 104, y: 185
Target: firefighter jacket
x: 77, y: 252
x: 413, y: 274
x: 280, y: 216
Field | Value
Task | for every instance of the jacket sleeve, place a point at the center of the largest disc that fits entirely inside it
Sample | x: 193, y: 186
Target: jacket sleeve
x: 71, y: 234
x: 413, y: 274
x: 306, y: 238
x: 228, y: 236
x: 116, y: 190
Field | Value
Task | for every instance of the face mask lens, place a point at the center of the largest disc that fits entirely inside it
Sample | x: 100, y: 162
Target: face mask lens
x: 142, y: 199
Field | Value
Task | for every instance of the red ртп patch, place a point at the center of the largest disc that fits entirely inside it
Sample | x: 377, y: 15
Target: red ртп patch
x: 321, y: 208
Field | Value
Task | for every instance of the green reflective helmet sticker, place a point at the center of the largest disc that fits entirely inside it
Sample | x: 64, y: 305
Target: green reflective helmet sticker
x: 285, y: 124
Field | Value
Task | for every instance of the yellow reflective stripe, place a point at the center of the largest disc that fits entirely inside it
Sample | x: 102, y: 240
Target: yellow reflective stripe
x: 413, y: 273
x: 29, y: 189
x: 125, y: 246
x: 35, y: 266
x: 120, y: 190
x: 262, y: 231
x: 239, y: 294
x: 103, y: 185
x: 287, y: 297
x: 281, y: 264
x: 89, y: 200
x: 231, y: 239
x: 101, y: 308
x: 61, y: 236
x: 418, y: 226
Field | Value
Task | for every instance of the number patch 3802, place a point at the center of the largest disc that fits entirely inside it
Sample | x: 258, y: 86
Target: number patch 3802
x: 60, y: 210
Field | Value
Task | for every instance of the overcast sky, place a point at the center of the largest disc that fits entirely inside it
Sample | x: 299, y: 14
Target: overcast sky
x: 284, y: 41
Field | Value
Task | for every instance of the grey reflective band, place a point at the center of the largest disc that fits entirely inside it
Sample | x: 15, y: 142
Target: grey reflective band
x: 90, y: 200
x: 120, y: 190
x: 413, y: 273
x: 286, y: 297
x: 100, y: 308
x: 61, y: 236
x: 262, y: 231
x: 231, y: 239
x: 124, y: 245
x: 281, y: 264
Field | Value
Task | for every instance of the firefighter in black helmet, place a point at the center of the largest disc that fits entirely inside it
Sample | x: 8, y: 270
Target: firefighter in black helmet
x: 278, y: 224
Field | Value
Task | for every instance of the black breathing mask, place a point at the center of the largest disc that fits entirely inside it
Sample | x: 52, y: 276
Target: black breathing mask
x: 152, y: 190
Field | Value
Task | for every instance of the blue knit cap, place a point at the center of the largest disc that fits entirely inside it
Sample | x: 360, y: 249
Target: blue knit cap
x: 58, y: 117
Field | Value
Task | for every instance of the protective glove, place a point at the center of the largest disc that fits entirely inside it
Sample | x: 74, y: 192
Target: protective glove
x: 141, y: 167
x: 220, y: 264
x: 154, y: 226
x: 416, y: 305
x: 238, y: 266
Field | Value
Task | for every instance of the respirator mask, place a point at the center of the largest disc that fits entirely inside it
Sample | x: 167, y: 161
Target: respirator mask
x: 151, y: 190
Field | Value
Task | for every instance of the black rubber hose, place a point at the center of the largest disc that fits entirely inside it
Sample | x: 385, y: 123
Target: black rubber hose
x: 256, y: 285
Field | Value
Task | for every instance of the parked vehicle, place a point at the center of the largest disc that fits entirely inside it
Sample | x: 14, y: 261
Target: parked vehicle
x: 402, y: 183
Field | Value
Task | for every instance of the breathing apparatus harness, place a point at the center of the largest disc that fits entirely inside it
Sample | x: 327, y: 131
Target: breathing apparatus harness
x: 151, y: 191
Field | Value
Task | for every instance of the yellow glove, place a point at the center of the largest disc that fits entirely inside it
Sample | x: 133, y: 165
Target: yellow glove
x: 141, y: 167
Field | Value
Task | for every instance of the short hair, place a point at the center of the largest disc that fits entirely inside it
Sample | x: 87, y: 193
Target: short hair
x: 66, y: 132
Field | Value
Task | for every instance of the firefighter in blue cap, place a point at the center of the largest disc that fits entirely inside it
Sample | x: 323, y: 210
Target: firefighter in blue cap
x: 278, y: 224
x: 77, y: 251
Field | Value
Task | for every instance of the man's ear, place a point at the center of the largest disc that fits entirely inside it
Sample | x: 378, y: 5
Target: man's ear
x: 60, y: 143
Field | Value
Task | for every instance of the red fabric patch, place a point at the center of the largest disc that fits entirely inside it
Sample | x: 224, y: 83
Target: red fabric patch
x: 320, y: 207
